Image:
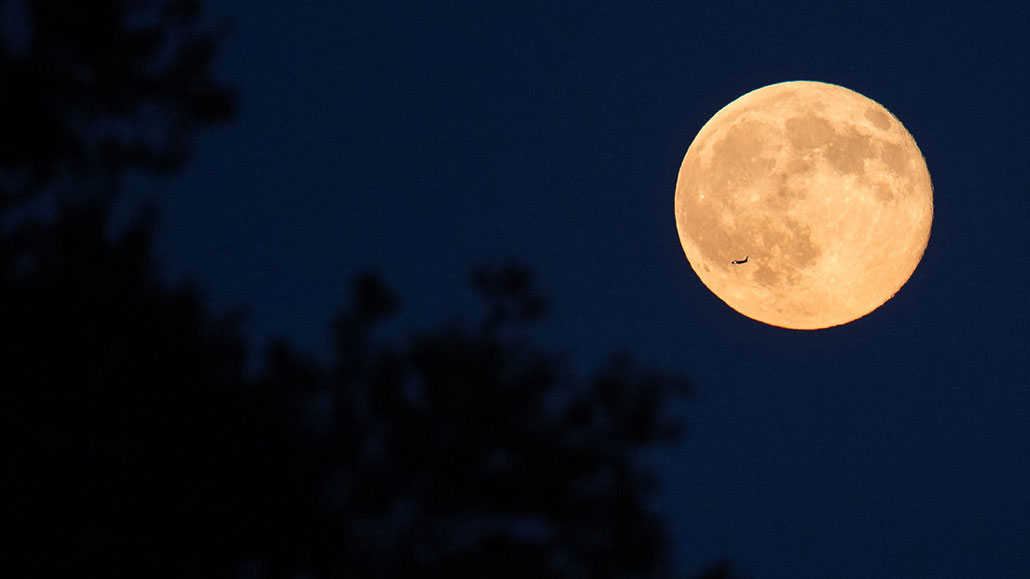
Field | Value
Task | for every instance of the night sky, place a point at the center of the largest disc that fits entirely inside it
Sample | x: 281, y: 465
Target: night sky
x: 421, y: 138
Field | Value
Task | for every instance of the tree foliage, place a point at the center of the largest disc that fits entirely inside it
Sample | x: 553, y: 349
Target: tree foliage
x: 134, y: 442
x: 91, y: 89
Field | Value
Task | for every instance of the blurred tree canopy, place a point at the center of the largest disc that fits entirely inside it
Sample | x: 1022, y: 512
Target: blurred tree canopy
x: 134, y: 442
x: 91, y: 89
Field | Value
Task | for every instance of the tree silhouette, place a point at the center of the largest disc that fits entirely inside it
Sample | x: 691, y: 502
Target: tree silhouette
x: 135, y: 444
x: 481, y: 457
x: 91, y: 89
x: 133, y: 441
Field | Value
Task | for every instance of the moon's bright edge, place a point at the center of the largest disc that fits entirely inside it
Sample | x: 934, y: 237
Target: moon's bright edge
x: 823, y: 188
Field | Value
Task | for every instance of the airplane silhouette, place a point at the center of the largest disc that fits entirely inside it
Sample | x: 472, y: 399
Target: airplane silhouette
x: 740, y: 261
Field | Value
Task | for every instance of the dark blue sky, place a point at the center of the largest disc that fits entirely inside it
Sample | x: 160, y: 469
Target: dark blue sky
x: 421, y: 138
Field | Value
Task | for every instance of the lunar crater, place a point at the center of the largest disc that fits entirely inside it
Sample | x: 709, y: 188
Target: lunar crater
x: 878, y: 118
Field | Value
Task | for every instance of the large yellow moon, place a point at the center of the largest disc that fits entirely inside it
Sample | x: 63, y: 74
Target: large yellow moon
x: 821, y: 190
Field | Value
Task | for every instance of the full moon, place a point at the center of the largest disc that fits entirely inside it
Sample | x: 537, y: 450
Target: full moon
x: 804, y: 205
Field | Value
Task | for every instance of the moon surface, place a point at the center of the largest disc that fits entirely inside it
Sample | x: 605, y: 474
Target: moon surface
x: 822, y: 190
